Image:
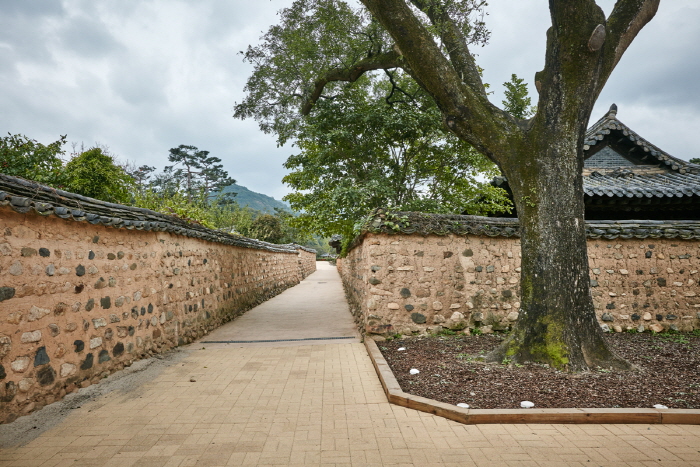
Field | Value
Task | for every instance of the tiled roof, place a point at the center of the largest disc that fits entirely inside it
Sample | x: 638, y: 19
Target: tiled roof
x: 25, y: 196
x: 679, y: 178
x: 642, y: 186
x: 669, y: 179
x: 610, y: 123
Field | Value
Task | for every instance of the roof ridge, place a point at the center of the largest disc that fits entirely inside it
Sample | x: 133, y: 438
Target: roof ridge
x: 610, y: 122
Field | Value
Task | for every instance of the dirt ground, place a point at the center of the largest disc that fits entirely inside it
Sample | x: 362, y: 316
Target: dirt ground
x: 667, y: 372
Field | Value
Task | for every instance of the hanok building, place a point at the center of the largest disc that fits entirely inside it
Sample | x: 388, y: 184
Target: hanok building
x: 627, y: 177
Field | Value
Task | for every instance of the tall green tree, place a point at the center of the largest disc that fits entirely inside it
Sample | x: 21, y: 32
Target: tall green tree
x: 542, y: 157
x: 267, y: 228
x: 140, y: 174
x: 200, y: 173
x: 23, y: 157
x: 191, y: 189
x: 360, y: 151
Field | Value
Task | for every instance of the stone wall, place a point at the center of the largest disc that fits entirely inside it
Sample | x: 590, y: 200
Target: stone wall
x: 400, y: 282
x: 307, y: 261
x: 79, y: 300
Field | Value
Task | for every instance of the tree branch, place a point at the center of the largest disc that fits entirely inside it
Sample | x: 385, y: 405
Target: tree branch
x: 383, y: 61
x: 395, y: 87
x: 456, y: 44
x: 466, y: 110
x: 595, y: 43
x: 574, y: 59
x: 624, y: 23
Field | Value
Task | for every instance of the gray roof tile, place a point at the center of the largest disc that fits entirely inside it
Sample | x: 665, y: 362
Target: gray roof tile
x: 26, y: 196
x: 642, y: 185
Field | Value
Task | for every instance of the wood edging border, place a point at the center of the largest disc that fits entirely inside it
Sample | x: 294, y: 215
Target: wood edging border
x: 510, y: 416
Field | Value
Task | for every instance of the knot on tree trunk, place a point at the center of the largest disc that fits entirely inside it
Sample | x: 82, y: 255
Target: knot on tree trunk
x: 597, y: 38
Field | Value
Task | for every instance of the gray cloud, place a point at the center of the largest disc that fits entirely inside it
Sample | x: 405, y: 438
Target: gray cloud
x: 139, y: 84
x: 87, y: 36
x: 25, y: 33
x: 31, y: 9
x: 142, y: 77
x: 663, y: 72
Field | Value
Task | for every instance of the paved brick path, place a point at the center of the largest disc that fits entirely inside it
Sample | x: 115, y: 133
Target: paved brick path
x: 291, y: 403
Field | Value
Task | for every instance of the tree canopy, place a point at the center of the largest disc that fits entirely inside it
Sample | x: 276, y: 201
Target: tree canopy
x: 95, y: 173
x: 316, y: 48
x: 23, y: 157
x: 201, y: 173
x: 325, y: 43
x: 378, y: 143
x: 360, y: 151
x: 518, y: 102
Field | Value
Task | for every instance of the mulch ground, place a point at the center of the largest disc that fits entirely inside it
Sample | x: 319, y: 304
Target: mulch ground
x: 667, y: 372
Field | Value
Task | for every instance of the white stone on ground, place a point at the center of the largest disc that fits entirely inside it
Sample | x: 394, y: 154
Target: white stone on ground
x: 463, y: 405
x: 402, y: 348
x: 527, y: 404
x: 414, y: 371
x: 660, y: 406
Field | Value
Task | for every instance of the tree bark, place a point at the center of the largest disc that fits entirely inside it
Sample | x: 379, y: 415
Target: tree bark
x: 557, y: 323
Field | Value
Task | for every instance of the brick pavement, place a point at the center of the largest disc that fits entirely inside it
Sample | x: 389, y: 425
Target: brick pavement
x: 316, y: 404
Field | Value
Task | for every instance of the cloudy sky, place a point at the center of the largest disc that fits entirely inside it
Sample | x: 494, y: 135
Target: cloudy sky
x: 144, y: 76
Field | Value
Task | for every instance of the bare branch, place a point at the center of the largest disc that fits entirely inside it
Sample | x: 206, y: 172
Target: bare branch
x: 383, y: 61
x: 395, y: 87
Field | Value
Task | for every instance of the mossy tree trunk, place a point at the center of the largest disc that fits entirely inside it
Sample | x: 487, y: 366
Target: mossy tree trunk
x: 541, y: 157
x: 557, y: 323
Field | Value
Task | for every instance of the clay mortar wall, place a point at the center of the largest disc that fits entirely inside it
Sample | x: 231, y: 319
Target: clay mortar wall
x: 413, y: 283
x: 307, y: 262
x: 80, y: 300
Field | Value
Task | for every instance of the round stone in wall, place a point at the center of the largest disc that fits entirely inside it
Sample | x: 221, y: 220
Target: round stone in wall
x: 418, y: 318
x: 46, y: 375
x: 16, y: 268
x: 20, y: 364
x: 5, y: 345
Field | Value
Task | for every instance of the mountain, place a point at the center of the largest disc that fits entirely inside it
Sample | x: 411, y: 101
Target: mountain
x: 257, y: 201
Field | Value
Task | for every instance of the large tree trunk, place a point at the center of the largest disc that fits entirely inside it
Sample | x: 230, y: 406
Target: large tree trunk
x: 542, y: 158
x: 557, y: 323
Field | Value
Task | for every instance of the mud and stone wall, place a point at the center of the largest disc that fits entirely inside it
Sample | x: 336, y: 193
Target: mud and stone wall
x: 79, y: 300
x: 307, y: 261
x: 415, y: 282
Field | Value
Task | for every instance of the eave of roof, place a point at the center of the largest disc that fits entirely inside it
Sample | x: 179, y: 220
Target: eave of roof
x: 681, y: 179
